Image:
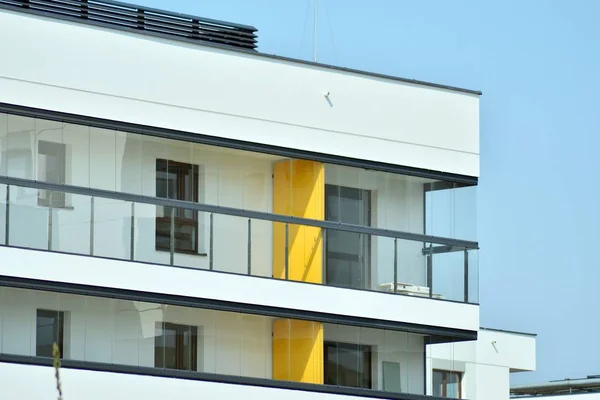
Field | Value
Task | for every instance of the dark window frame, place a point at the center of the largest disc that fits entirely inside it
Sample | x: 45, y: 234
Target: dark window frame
x: 367, y: 354
x: 180, y: 220
x: 179, y: 345
x: 57, y: 316
x: 445, y: 381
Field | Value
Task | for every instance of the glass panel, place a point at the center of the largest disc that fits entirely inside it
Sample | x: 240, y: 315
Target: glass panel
x: 145, y: 238
x: 76, y: 139
x: 127, y: 333
x: 112, y: 228
x: 100, y: 329
x: 3, y: 209
x: 229, y: 333
x: 473, y: 260
x: 105, y: 150
x: 414, y: 364
x: 74, y: 311
x: 465, y: 213
x: 3, y: 144
x: 262, y: 248
x: 71, y: 226
x: 18, y: 321
x: 256, y: 346
x: 230, y: 242
x: 20, y: 147
x: 348, y: 254
x: 448, y: 274
x: 49, y: 325
x: 348, y: 357
x: 28, y: 221
x: 438, y: 383
x: 128, y: 166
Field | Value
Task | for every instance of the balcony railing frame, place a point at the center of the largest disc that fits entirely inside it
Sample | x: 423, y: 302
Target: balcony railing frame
x: 443, y: 244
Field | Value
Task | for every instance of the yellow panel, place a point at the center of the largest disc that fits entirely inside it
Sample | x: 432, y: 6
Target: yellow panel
x: 299, y: 191
x: 298, y: 351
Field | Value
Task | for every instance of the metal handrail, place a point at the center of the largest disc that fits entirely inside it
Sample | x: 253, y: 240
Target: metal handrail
x: 261, y: 215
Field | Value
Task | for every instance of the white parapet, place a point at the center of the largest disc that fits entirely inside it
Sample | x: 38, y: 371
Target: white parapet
x: 100, y: 72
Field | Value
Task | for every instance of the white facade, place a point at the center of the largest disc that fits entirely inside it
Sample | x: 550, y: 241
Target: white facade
x: 486, y: 364
x: 102, y: 241
x: 272, y: 101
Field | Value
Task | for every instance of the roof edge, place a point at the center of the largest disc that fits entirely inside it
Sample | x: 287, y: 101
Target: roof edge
x: 234, y: 49
x: 507, y: 331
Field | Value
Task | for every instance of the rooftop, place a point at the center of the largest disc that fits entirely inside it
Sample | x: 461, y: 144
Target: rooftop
x: 174, y: 26
x: 589, y: 384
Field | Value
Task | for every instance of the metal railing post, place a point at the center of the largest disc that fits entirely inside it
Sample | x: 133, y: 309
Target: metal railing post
x: 324, y: 277
x: 92, y: 226
x: 287, y: 251
x: 132, y: 232
x: 466, y: 255
x: 430, y: 270
x: 210, y: 244
x: 395, y: 265
x: 7, y: 216
x: 249, y: 246
x: 50, y: 220
x: 172, y: 238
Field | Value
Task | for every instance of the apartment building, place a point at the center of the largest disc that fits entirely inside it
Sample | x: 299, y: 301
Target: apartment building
x: 183, y: 214
x: 481, y: 368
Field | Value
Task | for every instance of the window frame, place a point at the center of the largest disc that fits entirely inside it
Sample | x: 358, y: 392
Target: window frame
x: 57, y: 316
x: 366, y: 352
x: 179, y: 329
x: 445, y: 381
x: 179, y: 220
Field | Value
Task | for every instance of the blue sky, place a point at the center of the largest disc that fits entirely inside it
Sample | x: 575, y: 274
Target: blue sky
x: 537, y: 63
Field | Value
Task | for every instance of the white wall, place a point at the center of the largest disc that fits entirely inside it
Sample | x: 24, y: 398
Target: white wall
x: 235, y: 288
x: 34, y: 382
x: 486, y: 363
x: 123, y: 332
x: 273, y: 101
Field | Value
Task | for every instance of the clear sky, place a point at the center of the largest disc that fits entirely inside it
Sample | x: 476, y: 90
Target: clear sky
x: 538, y: 64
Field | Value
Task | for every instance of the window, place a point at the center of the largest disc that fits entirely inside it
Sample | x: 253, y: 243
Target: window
x: 51, y: 166
x: 176, y: 346
x: 447, y: 384
x: 348, y: 254
x: 49, y: 330
x: 178, y: 181
x: 348, y: 365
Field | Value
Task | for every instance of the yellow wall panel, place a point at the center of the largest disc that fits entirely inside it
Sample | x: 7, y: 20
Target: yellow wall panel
x: 299, y: 191
x: 298, y: 351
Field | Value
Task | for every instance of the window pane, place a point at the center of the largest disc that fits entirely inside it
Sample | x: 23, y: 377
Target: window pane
x: 49, y: 330
x: 452, y: 385
x: 438, y: 383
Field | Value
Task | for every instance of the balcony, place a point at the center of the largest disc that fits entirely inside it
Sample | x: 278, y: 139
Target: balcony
x: 109, y: 193
x: 153, y: 230
x: 141, y: 337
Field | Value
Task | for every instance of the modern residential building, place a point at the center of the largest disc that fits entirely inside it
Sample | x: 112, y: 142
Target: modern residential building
x: 587, y: 388
x: 183, y: 214
x: 481, y: 369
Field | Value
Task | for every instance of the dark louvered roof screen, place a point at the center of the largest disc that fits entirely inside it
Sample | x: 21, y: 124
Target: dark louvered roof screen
x: 127, y: 16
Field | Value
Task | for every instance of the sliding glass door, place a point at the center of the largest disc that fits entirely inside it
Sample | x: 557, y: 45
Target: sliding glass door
x: 348, y: 254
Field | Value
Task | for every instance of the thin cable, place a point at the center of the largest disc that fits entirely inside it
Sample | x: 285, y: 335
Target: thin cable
x: 304, y: 28
x: 335, y: 58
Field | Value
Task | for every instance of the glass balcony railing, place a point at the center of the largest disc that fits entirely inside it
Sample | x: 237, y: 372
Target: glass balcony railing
x: 124, y: 226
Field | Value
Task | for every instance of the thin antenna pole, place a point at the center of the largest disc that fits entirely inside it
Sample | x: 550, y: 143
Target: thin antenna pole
x: 315, y: 37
